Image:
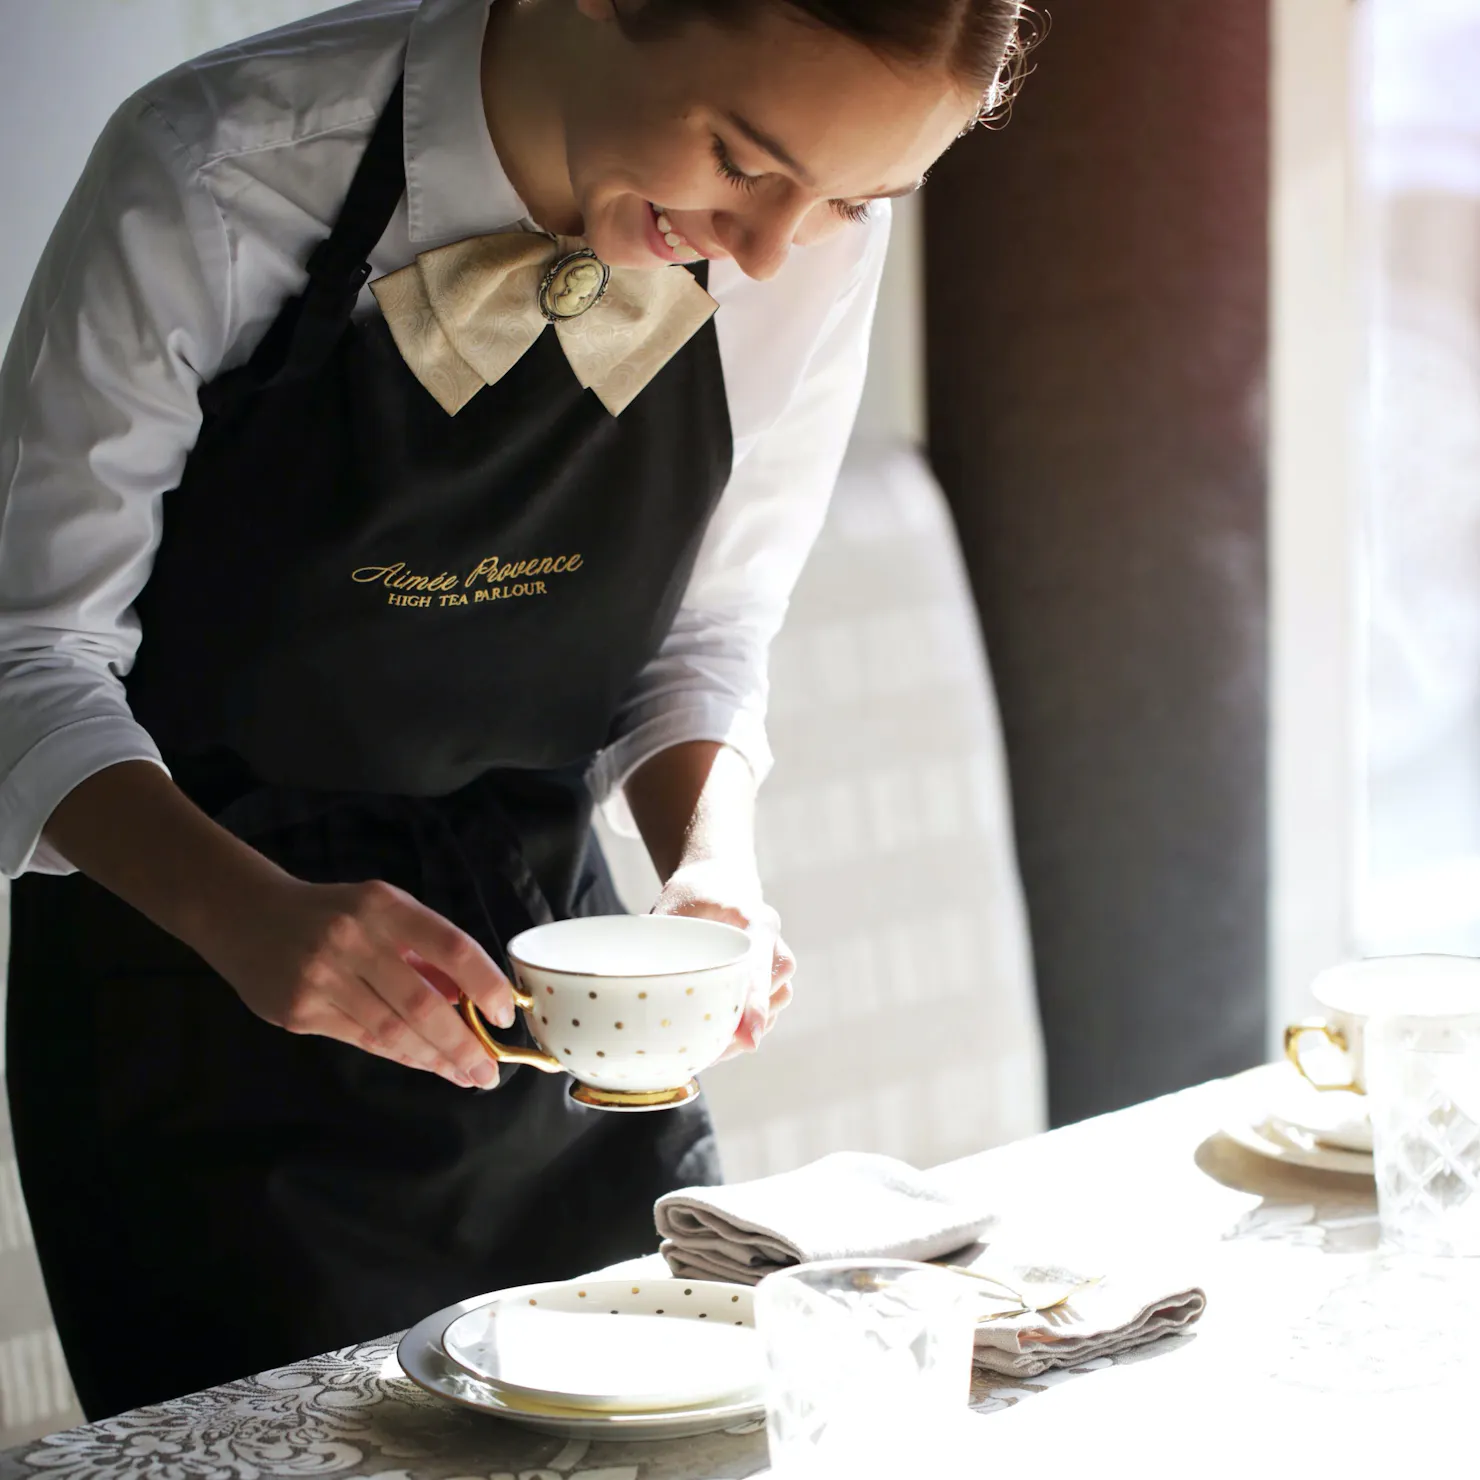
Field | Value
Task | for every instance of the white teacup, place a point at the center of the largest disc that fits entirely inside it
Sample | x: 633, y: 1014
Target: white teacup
x: 1353, y: 994
x: 631, y: 1006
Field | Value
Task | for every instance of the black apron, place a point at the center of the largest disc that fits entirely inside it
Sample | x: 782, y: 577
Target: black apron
x: 378, y: 642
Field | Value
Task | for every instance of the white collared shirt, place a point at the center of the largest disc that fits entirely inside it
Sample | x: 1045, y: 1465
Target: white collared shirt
x: 190, y: 228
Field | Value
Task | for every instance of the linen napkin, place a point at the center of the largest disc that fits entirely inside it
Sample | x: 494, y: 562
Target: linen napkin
x: 1126, y: 1308
x: 850, y: 1205
x: 858, y: 1205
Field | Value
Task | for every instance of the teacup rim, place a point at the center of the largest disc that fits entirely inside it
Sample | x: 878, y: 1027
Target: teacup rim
x: 741, y: 953
x: 1361, y: 969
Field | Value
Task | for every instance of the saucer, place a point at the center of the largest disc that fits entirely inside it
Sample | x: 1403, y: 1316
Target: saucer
x: 614, y: 1346
x: 1335, y: 1118
x: 424, y: 1361
x: 1251, y: 1123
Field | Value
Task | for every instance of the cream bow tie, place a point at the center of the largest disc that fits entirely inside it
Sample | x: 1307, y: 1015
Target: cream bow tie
x: 464, y: 314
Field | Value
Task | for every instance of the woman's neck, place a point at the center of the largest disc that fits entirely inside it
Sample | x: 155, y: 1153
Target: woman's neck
x: 526, y: 50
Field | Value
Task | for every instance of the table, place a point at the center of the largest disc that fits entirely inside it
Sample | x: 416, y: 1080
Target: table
x: 1300, y: 1333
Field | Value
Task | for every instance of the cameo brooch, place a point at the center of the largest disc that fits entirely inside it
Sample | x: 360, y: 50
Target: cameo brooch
x: 574, y: 285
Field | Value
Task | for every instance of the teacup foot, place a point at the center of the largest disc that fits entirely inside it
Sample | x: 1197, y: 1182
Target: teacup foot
x: 634, y: 1100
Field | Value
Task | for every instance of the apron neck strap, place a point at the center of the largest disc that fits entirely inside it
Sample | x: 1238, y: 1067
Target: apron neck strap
x: 304, y: 334
x: 340, y: 263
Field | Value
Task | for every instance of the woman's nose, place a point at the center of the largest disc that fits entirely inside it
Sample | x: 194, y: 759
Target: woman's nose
x: 759, y: 239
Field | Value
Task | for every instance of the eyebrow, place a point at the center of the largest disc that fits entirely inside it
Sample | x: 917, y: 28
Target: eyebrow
x: 778, y: 151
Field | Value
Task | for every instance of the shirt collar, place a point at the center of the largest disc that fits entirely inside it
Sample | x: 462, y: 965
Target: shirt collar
x: 455, y: 185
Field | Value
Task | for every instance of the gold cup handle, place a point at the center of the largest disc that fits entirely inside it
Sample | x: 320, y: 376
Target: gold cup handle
x: 506, y: 1053
x: 1334, y: 1036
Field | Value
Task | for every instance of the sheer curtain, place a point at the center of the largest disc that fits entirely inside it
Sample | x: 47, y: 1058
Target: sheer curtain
x: 1421, y: 883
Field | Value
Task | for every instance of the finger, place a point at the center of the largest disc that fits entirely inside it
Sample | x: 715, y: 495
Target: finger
x: 338, y: 1024
x: 430, y: 974
x: 454, y: 957
x: 432, y: 1026
x: 744, y: 1043
x: 783, y: 965
x: 763, y: 952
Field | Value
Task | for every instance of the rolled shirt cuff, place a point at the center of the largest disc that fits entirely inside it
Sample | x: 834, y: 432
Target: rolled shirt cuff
x: 718, y: 721
x: 53, y: 767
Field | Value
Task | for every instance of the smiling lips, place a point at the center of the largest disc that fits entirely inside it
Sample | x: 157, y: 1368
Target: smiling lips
x: 674, y: 240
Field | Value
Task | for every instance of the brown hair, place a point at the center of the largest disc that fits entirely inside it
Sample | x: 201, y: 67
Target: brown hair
x: 982, y: 42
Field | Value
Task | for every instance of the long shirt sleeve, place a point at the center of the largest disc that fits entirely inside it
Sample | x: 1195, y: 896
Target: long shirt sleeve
x: 98, y: 412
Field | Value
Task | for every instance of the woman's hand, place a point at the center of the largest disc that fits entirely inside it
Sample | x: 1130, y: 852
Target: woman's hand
x: 366, y: 964
x: 363, y: 963
x: 713, y: 890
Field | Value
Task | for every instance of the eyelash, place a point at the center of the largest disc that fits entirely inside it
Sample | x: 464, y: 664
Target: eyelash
x: 858, y: 213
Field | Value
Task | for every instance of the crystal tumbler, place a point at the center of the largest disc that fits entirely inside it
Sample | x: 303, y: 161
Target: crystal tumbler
x: 869, y: 1366
x: 1423, y: 1083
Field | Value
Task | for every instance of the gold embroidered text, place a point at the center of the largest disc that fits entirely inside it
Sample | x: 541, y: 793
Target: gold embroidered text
x: 491, y: 579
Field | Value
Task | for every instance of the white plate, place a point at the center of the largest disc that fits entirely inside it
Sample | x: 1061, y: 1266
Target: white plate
x: 615, y: 1345
x: 423, y: 1360
x: 1250, y: 1124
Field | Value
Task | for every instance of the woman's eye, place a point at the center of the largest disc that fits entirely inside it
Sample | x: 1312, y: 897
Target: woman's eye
x: 857, y: 213
x: 729, y: 169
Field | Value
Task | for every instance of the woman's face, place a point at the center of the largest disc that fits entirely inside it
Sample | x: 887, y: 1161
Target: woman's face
x: 746, y: 141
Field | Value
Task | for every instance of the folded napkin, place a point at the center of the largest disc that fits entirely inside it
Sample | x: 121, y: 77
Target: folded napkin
x: 857, y: 1205
x: 851, y: 1205
x: 1124, y: 1309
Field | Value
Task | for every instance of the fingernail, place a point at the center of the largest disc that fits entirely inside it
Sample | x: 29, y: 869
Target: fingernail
x: 485, y: 1075
x: 505, y: 1016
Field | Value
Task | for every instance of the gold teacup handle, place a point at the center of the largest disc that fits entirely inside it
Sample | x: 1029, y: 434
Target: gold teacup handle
x: 506, y: 1053
x: 1334, y: 1036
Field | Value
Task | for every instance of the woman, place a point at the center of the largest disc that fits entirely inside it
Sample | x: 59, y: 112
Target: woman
x: 269, y: 761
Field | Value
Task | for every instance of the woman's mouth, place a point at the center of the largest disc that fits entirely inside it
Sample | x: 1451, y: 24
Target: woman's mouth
x: 665, y: 241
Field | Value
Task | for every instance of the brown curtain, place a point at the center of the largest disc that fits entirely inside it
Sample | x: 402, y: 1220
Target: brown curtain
x: 1096, y: 300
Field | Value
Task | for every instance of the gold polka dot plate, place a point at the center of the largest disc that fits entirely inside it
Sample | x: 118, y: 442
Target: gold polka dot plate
x: 603, y: 1358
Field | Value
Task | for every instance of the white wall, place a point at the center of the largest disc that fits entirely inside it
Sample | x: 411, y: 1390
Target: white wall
x: 893, y: 408
x: 1315, y: 500
x: 64, y: 66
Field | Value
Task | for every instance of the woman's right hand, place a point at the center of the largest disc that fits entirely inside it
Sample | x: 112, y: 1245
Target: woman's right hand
x: 366, y: 964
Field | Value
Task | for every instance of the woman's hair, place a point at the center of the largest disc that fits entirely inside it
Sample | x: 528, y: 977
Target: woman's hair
x: 984, y: 43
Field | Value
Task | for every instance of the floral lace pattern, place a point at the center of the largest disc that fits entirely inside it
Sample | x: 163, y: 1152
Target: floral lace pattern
x: 353, y: 1413
x: 1238, y: 1220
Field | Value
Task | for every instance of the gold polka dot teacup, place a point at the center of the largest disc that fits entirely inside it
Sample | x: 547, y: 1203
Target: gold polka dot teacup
x: 631, y: 1006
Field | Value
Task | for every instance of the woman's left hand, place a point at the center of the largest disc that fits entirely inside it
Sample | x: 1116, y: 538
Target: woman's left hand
x: 714, y: 890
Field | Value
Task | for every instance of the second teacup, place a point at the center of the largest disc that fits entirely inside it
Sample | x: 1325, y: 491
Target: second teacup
x: 1354, y: 993
x: 633, y: 1007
